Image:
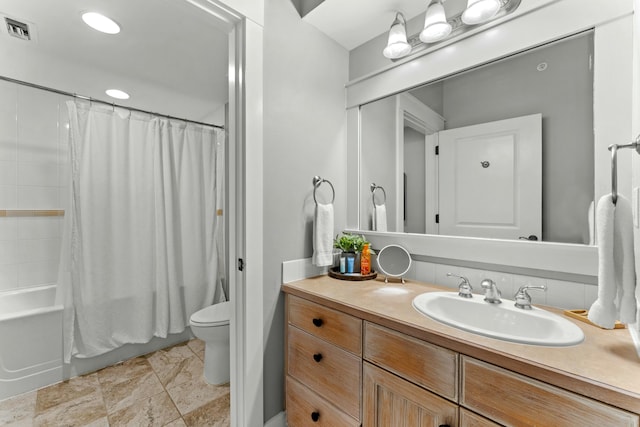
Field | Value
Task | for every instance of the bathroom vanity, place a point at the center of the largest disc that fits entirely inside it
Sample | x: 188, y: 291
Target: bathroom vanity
x: 360, y: 354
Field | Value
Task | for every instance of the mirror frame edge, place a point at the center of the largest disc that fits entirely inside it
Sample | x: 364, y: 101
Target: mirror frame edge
x: 519, y: 33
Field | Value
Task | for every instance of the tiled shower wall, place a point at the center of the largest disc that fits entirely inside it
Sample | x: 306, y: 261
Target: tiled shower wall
x: 34, y: 174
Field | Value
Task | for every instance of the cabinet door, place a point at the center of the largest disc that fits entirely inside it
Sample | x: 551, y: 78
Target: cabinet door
x: 392, y: 401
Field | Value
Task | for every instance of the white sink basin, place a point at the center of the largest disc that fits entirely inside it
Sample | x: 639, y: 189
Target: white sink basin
x: 502, y: 321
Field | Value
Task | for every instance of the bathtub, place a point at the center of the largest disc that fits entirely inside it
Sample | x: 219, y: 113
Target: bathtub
x: 30, y: 340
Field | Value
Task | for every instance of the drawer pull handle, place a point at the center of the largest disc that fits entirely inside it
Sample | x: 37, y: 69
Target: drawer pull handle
x: 317, y: 321
x: 315, y: 416
x: 443, y: 425
x: 317, y: 357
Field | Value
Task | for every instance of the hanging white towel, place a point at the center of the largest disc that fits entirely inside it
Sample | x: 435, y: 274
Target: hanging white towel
x: 616, y: 264
x: 380, y: 218
x: 323, y: 235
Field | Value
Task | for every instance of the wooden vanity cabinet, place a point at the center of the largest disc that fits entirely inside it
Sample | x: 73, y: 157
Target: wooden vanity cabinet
x: 383, y: 378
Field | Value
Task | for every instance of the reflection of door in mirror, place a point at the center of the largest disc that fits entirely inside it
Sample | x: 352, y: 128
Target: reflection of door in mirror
x: 491, y: 179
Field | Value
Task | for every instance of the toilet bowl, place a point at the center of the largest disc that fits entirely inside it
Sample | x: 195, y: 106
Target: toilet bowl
x: 211, y: 325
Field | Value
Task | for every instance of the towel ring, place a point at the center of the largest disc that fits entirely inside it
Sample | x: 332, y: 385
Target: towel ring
x: 317, y: 182
x: 614, y: 164
x: 375, y: 187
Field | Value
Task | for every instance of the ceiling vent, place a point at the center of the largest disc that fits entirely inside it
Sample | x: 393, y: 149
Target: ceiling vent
x: 18, y: 29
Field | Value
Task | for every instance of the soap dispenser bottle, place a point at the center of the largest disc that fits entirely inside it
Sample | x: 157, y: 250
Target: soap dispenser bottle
x: 365, y: 260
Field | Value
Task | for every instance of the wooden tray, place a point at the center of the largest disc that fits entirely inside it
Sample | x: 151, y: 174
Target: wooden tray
x: 356, y: 277
x: 581, y: 315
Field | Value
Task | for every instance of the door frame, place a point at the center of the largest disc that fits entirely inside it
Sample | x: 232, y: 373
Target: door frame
x: 425, y: 120
x: 244, y: 219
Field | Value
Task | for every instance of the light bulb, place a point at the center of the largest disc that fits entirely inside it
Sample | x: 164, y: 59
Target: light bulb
x: 436, y: 26
x: 479, y: 11
x: 397, y: 45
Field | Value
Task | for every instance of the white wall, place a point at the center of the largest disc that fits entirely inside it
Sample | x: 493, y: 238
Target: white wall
x: 378, y: 158
x: 33, y: 175
x: 304, y: 135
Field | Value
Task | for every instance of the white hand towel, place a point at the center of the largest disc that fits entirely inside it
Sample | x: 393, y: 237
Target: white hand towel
x: 323, y: 235
x: 380, y: 218
x: 616, y: 269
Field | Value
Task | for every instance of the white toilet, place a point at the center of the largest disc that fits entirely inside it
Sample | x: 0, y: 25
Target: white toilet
x: 211, y: 325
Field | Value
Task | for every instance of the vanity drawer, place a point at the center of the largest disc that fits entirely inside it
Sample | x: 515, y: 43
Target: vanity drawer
x: 513, y: 399
x: 326, y: 369
x: 338, y: 328
x: 471, y: 419
x: 303, y: 405
x: 424, y: 364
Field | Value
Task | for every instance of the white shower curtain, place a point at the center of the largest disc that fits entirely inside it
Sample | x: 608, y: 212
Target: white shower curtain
x: 142, y: 237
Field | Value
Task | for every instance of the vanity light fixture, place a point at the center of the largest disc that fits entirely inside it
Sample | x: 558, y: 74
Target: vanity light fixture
x: 117, y: 93
x: 101, y: 23
x: 437, y: 27
x: 397, y: 45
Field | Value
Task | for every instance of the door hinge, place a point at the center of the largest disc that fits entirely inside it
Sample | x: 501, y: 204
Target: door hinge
x: 437, y: 150
x: 240, y: 264
x: 437, y: 218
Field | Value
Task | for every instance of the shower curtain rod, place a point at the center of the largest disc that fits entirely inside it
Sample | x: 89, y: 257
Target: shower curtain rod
x: 87, y: 98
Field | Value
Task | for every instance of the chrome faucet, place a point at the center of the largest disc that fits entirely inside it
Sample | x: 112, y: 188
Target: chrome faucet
x: 491, y: 292
x: 522, y: 297
x: 464, y: 288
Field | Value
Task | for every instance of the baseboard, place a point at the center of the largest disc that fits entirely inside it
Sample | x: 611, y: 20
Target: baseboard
x: 279, y: 420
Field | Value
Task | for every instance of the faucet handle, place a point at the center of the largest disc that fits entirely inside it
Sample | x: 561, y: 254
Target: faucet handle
x: 465, y: 290
x: 492, y: 293
x: 522, y: 297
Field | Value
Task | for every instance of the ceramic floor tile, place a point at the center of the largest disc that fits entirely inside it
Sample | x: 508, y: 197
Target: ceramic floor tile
x: 180, y: 371
x: 19, y: 410
x: 175, y: 365
x: 176, y: 423
x: 123, y: 394
x: 124, y: 371
x: 156, y: 410
x: 66, y: 391
x: 85, y: 410
x: 198, y: 347
x: 216, y: 413
x: 193, y: 394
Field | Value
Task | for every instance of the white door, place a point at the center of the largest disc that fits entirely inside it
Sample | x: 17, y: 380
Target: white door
x: 490, y: 178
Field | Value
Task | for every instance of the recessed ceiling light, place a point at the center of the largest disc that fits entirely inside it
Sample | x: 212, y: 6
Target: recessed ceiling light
x: 117, y: 93
x: 100, y: 22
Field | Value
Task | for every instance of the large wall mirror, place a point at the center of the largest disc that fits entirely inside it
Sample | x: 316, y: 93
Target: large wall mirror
x: 546, y: 91
x: 504, y: 150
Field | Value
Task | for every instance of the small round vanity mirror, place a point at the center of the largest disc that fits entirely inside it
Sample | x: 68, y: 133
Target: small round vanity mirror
x: 394, y: 261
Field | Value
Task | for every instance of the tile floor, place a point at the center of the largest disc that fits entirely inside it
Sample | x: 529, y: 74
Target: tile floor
x: 165, y: 388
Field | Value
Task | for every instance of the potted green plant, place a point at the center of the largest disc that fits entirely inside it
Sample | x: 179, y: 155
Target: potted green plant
x: 351, y: 246
x: 349, y: 242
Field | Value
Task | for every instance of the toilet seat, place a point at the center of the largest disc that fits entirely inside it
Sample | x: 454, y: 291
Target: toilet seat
x: 213, y: 315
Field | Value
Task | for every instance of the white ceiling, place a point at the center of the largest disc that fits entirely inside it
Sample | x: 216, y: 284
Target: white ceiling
x: 169, y: 56
x: 353, y: 22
